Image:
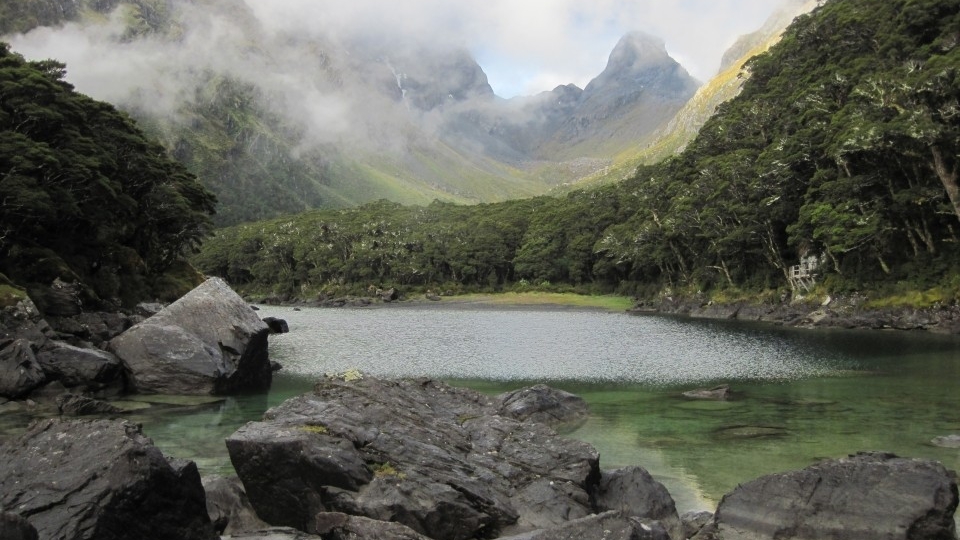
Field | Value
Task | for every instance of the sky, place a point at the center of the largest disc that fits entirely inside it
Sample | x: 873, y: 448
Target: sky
x: 530, y: 46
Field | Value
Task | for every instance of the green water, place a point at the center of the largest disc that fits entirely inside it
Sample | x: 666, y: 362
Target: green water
x: 799, y: 395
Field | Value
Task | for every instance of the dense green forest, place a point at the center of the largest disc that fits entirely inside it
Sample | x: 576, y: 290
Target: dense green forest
x: 841, y: 150
x: 85, y: 197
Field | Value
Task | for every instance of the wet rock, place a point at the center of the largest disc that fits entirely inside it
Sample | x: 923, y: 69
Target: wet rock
x: 947, y: 441
x: 101, y: 479
x: 229, y: 508
x: 541, y: 403
x: 866, y: 496
x: 20, y: 373
x: 208, y: 342
x: 605, y: 526
x: 16, y: 527
x: 338, y: 526
x: 418, y: 452
x: 279, y: 533
x: 76, y: 405
x: 75, y: 366
x: 717, y: 393
x: 277, y: 326
x: 693, y: 521
x: 632, y: 491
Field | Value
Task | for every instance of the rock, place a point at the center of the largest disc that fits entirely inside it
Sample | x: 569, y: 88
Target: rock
x: 208, y: 342
x: 48, y: 393
x: 16, y: 527
x: 540, y: 403
x: 866, y: 496
x: 101, y: 479
x: 74, y: 405
x: 20, y: 373
x: 693, y: 521
x: 277, y: 326
x: 605, y: 526
x: 229, y: 508
x: 338, y: 526
x: 148, y: 309
x: 61, y: 299
x: 278, y: 533
x: 95, y: 327
x: 75, y: 366
x: 718, y: 393
x: 432, y: 296
x: 635, y: 493
x: 432, y: 457
x: 947, y: 441
x: 389, y: 295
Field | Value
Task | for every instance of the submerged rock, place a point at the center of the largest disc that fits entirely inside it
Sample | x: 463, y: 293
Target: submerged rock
x: 864, y: 497
x: 75, y: 405
x: 101, y: 479
x: 418, y: 452
x: 717, y: 393
x: 947, y: 441
x: 208, y: 342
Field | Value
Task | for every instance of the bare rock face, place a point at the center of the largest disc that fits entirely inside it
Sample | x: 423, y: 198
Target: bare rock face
x: 20, y: 373
x: 633, y: 491
x: 101, y: 479
x: 208, y: 342
x: 434, y: 458
x: 869, y: 496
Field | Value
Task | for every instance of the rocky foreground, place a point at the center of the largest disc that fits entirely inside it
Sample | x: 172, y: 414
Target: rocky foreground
x: 361, y: 458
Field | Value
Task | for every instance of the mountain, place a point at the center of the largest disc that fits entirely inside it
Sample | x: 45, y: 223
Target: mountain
x: 672, y: 137
x: 275, y: 121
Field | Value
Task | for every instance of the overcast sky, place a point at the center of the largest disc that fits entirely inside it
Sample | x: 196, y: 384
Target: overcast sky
x: 529, y: 46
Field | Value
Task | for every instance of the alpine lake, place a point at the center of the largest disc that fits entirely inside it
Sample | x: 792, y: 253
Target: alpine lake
x: 798, y: 395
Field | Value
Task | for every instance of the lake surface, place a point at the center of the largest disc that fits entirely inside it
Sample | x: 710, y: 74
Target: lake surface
x: 800, y: 395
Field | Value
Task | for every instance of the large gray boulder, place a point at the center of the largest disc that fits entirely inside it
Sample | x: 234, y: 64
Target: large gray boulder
x: 869, y: 496
x: 20, y: 373
x: 418, y: 452
x: 208, y: 342
x: 75, y: 366
x: 634, y: 492
x: 101, y: 479
x: 541, y: 403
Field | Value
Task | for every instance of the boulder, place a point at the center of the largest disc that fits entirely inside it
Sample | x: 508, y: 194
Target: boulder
x: 229, y: 508
x: 605, y: 526
x: 693, y: 521
x: 632, y: 491
x: 717, y: 393
x: 866, y: 496
x: 101, y: 479
x: 76, y: 366
x: 541, y: 403
x: 75, y: 405
x: 337, y: 526
x: 16, y: 527
x: 434, y: 458
x: 208, y: 342
x: 20, y: 373
x: 389, y: 295
x: 277, y: 326
x: 61, y: 299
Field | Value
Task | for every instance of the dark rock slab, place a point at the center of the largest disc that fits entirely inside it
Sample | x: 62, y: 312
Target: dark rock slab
x: 208, y: 342
x: 77, y: 405
x: 338, y: 526
x: 541, y: 403
x: 868, y: 496
x: 634, y: 492
x: 20, y: 373
x: 228, y: 506
x: 605, y: 526
x: 417, y: 452
x: 101, y: 479
x: 16, y: 527
x: 76, y: 366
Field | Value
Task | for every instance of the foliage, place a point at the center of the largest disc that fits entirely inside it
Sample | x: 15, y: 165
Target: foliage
x: 84, y: 196
x: 842, y: 146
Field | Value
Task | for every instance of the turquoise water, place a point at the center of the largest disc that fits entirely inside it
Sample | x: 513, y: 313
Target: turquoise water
x: 799, y: 395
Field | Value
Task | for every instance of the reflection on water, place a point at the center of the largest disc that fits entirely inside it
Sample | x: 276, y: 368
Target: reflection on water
x: 799, y: 395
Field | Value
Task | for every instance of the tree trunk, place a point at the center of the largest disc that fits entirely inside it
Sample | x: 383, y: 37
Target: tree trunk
x: 948, y: 176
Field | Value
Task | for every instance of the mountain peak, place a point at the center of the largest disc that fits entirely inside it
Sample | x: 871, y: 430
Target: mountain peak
x: 637, y: 50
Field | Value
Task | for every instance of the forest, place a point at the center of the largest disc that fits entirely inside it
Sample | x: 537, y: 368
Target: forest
x: 840, y: 152
x: 85, y: 197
